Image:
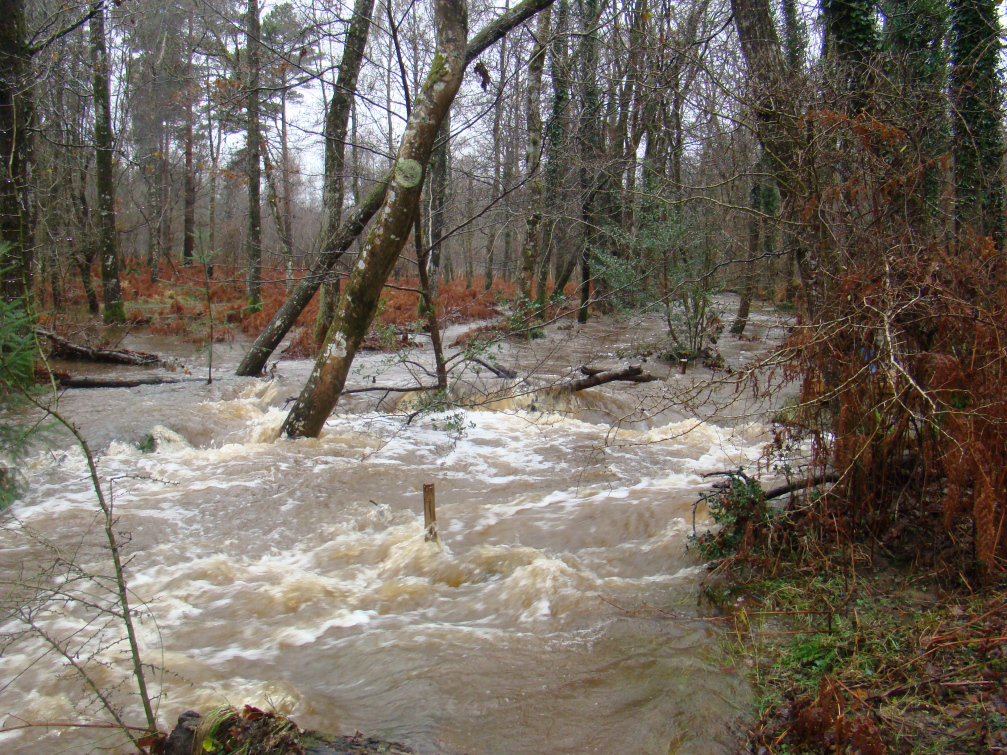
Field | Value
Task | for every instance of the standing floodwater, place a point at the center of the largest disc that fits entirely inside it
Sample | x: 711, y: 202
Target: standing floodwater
x: 295, y: 573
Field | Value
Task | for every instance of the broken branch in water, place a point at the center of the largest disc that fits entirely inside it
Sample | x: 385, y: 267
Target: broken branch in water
x: 64, y: 349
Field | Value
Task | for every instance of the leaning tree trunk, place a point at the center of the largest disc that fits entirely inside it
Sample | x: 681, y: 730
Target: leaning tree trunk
x: 336, y: 126
x: 357, y: 218
x: 386, y: 239
x: 253, y: 146
x: 287, y: 315
x: 108, y: 246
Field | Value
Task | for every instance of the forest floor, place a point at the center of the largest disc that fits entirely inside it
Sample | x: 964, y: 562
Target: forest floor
x: 871, y: 648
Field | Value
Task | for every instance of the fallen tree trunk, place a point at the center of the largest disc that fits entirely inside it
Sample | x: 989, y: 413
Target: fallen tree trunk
x: 103, y: 382
x: 628, y: 372
x: 793, y: 487
x: 64, y: 349
x: 645, y: 377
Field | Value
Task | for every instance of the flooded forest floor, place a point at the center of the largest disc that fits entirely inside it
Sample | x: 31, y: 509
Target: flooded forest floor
x: 566, y: 608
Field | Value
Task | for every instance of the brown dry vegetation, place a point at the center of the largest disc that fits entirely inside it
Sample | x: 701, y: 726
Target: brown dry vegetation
x: 176, y: 305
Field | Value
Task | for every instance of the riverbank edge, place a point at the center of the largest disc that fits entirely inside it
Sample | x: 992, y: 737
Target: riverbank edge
x: 852, y: 654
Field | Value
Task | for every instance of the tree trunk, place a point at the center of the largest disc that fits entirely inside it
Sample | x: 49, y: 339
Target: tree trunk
x: 353, y: 224
x: 428, y: 307
x: 779, y: 122
x: 108, y: 239
x: 745, y: 305
x: 978, y: 144
x: 533, y: 156
x: 253, y: 242
x: 386, y: 239
x: 554, y: 142
x: 15, y: 106
x: 440, y: 166
x: 287, y: 226
x: 189, y: 215
x: 590, y: 119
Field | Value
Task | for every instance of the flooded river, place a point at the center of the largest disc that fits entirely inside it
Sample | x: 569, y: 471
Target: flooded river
x: 295, y: 574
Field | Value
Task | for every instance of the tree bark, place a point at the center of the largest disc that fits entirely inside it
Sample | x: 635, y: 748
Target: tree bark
x: 64, y: 349
x: 357, y: 219
x: 108, y: 239
x: 189, y: 215
x: 336, y: 126
x: 440, y: 166
x: 591, y: 135
x: 533, y: 156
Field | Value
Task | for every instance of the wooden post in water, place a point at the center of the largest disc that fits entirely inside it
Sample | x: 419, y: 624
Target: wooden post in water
x: 429, y: 513
x: 683, y: 363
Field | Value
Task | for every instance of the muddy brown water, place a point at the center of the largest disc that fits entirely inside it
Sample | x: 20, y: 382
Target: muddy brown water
x: 294, y: 574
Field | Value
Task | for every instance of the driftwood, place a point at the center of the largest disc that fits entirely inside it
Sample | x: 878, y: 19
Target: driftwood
x: 64, y: 349
x: 646, y: 377
x: 69, y: 381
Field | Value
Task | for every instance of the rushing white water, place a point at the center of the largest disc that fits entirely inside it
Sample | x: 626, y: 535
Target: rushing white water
x: 295, y: 573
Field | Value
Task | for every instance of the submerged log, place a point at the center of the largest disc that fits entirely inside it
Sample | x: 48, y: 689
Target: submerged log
x: 64, y: 349
x: 645, y: 377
